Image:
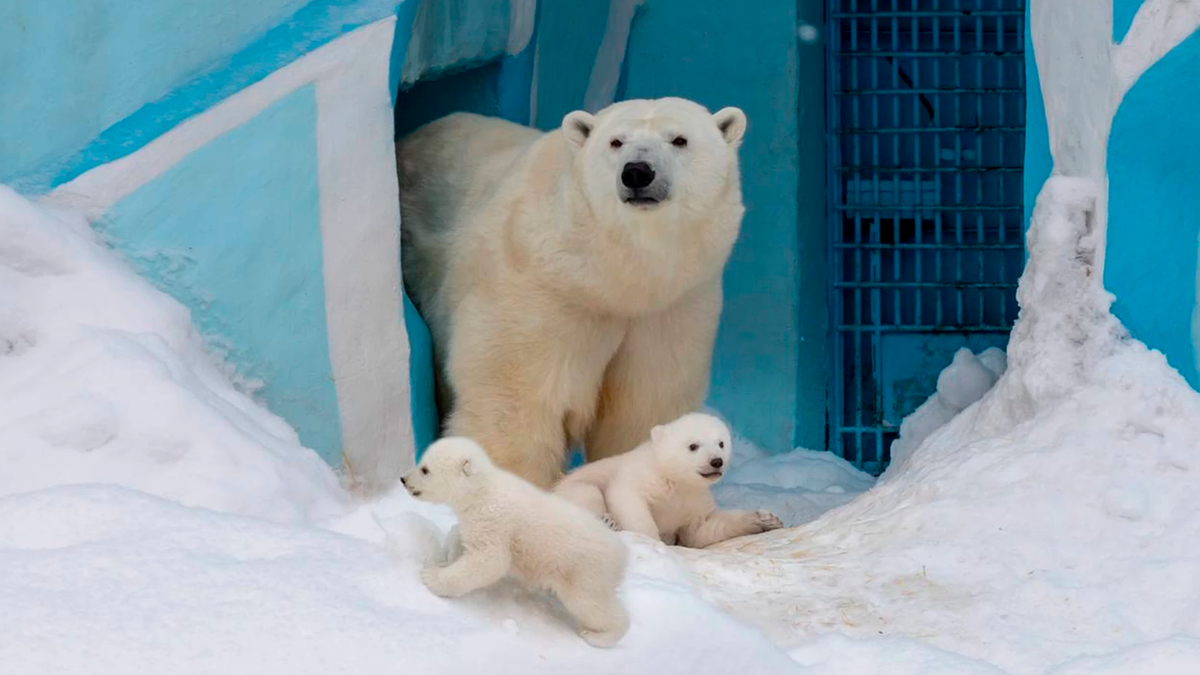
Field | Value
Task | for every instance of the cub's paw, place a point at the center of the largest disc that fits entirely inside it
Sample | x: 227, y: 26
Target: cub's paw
x: 608, y: 520
x: 431, y: 576
x: 765, y: 521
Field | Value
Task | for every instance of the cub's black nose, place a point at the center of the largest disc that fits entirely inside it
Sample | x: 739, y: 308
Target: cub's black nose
x: 717, y: 463
x: 637, y: 175
x: 402, y: 481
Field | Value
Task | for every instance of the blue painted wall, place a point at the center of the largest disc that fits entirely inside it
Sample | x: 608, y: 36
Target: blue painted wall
x: 71, y: 69
x: 569, y: 35
x: 83, y: 83
x: 771, y: 365
x: 1154, y: 207
x: 233, y: 232
x: 1153, y: 228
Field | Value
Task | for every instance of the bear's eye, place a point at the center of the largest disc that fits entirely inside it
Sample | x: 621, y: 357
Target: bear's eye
x: 615, y: 143
x: 721, y: 444
x: 679, y: 142
x: 694, y: 447
x: 425, y: 470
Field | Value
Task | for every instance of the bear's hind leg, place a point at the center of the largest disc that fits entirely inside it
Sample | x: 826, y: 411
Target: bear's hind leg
x: 602, y: 619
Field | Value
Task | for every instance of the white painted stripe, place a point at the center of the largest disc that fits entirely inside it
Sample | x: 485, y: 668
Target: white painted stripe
x: 360, y: 226
x: 606, y: 71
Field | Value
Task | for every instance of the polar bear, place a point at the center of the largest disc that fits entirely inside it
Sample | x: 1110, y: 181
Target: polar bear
x: 662, y: 488
x: 571, y: 279
x: 509, y: 527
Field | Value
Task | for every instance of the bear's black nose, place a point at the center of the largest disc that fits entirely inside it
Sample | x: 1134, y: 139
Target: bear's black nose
x: 402, y: 481
x: 717, y: 463
x: 637, y: 175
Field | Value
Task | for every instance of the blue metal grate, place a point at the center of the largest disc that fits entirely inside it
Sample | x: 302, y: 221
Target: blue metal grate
x: 926, y: 110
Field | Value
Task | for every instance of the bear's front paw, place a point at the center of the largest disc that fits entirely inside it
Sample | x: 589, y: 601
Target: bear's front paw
x: 608, y: 520
x: 431, y: 576
x: 766, y: 521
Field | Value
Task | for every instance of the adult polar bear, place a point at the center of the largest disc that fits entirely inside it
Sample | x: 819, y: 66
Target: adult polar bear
x: 571, y: 279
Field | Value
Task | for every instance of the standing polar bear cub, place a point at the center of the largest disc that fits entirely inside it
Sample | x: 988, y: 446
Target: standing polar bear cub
x: 662, y: 488
x: 509, y: 527
x: 571, y: 279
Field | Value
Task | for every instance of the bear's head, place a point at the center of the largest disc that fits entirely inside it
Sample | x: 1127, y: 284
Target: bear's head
x: 448, y: 471
x: 693, y: 448
x: 641, y: 158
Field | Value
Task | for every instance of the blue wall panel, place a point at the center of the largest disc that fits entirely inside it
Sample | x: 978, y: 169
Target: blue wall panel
x: 129, y: 70
x: 233, y: 232
x: 1154, y: 207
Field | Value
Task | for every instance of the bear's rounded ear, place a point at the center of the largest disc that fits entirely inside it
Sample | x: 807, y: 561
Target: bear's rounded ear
x: 577, y: 126
x: 656, y: 434
x: 467, y: 468
x: 731, y: 122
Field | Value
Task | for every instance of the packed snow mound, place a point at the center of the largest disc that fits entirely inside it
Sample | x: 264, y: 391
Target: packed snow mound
x: 1056, y: 518
x: 968, y: 377
x: 103, y: 379
x: 797, y: 486
x: 138, y: 494
x: 103, y: 580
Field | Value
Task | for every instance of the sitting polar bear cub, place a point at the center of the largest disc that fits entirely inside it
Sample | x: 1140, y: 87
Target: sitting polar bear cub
x: 509, y: 527
x: 571, y: 279
x: 662, y: 488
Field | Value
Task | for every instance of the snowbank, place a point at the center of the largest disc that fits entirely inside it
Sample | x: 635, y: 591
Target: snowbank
x: 103, y: 379
x: 137, y: 499
x: 968, y: 377
x: 1057, y: 518
x: 99, y: 579
x: 1051, y: 526
x: 797, y: 486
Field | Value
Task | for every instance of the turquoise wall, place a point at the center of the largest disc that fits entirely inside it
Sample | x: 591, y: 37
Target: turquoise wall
x: 1153, y: 228
x: 771, y: 364
x: 72, y: 69
x: 129, y: 70
x: 1154, y: 207
x: 232, y: 231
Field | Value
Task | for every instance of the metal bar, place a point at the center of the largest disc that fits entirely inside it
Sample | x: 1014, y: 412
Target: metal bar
x: 923, y: 104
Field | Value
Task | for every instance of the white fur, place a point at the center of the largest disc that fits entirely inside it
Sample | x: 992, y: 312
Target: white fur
x: 561, y: 312
x: 508, y: 527
x: 662, y: 489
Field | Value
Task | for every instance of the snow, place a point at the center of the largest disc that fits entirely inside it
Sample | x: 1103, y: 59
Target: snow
x: 103, y: 379
x: 1056, y: 518
x: 155, y: 519
x: 797, y: 486
x: 968, y: 377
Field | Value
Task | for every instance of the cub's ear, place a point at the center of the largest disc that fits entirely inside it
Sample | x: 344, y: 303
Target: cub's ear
x: 577, y: 126
x: 731, y: 122
x: 656, y: 434
x: 467, y: 468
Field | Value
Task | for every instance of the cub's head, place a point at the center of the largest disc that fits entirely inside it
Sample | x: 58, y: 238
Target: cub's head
x: 449, y: 469
x: 695, y: 447
x: 642, y: 157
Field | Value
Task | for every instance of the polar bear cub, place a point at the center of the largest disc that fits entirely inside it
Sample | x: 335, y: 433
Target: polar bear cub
x: 508, y: 527
x: 662, y: 488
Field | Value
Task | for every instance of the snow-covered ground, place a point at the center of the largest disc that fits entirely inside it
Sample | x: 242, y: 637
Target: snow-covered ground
x: 155, y: 519
x: 1058, y: 518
